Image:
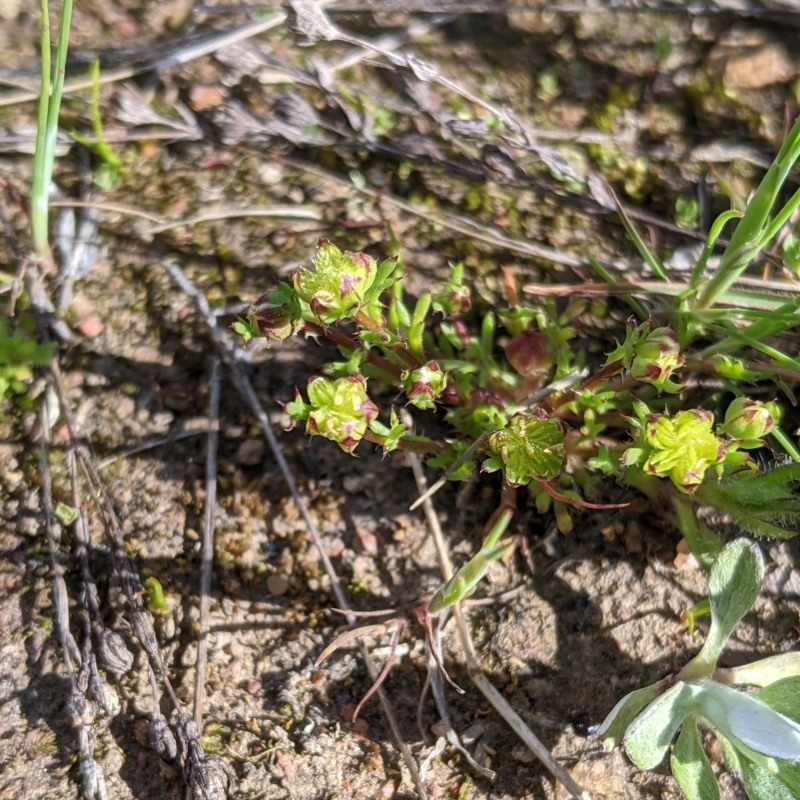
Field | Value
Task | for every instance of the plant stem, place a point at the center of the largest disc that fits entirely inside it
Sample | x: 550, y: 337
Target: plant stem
x: 343, y: 340
x: 753, y: 231
x: 410, y: 446
x: 51, y: 89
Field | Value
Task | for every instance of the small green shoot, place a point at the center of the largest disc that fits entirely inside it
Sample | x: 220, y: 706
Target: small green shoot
x: 52, y: 85
x: 761, y: 730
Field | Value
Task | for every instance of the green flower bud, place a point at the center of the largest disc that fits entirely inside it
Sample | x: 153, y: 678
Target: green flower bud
x: 454, y: 300
x: 529, y: 353
x: 336, y: 287
x: 340, y: 410
x: 747, y: 419
x: 275, y: 315
x: 655, y: 357
x: 682, y: 447
x: 530, y: 447
x: 424, y: 384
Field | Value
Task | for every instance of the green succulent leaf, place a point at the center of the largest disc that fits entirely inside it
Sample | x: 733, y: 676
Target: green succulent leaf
x: 244, y: 330
x: 745, y: 720
x: 624, y: 712
x: 733, y: 586
x: 392, y: 433
x: 763, y: 672
x: 691, y: 767
x: 783, y: 695
x: 65, y: 514
x: 446, y: 458
x: 530, y: 447
x: 648, y: 738
x: 760, y: 784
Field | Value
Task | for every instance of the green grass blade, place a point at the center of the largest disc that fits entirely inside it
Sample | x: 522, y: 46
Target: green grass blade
x: 749, y: 237
x: 41, y: 174
x: 52, y: 87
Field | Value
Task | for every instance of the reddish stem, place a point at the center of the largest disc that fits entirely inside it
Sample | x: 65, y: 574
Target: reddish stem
x: 343, y: 340
x: 420, y: 448
x: 557, y: 400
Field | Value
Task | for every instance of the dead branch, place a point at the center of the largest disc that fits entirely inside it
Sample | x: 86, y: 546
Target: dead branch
x: 232, y: 356
x: 208, y: 541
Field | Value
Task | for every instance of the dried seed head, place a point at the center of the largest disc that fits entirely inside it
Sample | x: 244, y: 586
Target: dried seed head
x: 309, y: 23
x: 113, y: 653
x: 94, y: 784
x: 162, y: 739
x: 104, y: 695
x: 210, y: 779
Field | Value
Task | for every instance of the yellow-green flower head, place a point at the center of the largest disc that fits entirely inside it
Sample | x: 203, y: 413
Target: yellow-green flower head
x: 336, y: 287
x: 683, y: 447
x: 340, y: 410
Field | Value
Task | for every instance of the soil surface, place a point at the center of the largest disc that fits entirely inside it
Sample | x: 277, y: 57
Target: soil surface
x: 276, y: 145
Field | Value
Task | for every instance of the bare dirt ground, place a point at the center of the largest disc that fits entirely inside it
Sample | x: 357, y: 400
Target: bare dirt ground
x: 276, y: 145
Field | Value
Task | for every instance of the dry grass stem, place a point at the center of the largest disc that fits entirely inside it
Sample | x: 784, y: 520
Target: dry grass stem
x: 232, y: 355
x: 208, y: 540
x: 497, y: 700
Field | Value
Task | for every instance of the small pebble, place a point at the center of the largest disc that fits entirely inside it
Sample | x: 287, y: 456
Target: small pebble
x: 90, y: 327
x: 250, y: 452
x: 277, y: 585
x: 202, y: 96
x: 333, y: 546
x: 366, y: 542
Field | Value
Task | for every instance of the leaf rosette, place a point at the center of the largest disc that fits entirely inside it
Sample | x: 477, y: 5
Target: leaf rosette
x: 530, y: 447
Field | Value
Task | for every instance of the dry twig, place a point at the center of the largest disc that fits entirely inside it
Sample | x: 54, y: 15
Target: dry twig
x: 232, y: 357
x: 208, y: 541
x: 476, y: 674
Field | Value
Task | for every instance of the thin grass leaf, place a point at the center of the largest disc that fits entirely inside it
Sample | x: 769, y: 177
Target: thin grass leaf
x: 637, y: 307
x: 52, y: 86
x: 752, y: 233
x: 714, y: 234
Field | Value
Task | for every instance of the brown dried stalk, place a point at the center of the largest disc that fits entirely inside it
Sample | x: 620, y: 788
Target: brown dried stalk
x: 476, y: 674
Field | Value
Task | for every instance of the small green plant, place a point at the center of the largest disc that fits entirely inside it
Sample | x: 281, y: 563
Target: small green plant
x: 52, y: 85
x: 753, y: 710
x: 19, y: 354
x: 522, y: 402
